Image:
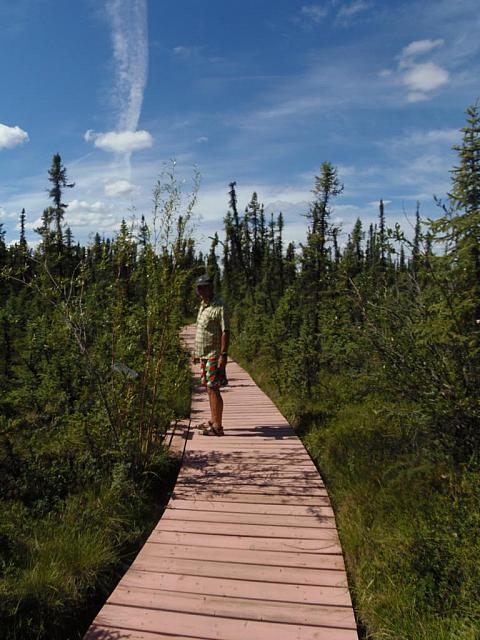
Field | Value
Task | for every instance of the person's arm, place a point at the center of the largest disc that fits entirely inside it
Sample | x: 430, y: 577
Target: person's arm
x: 222, y: 360
x: 196, y: 358
x: 225, y: 338
x: 225, y: 341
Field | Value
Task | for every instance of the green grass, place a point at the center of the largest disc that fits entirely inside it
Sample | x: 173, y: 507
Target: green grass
x: 76, y: 507
x: 408, y: 519
x: 65, y: 565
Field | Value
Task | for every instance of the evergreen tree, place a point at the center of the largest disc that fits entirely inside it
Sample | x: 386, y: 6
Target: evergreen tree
x: 3, y: 248
x: 23, y: 241
x: 459, y: 228
x: 143, y: 233
x: 315, y: 267
x: 401, y: 264
x: 45, y: 231
x: 290, y: 269
x: 212, y: 264
x: 353, y: 255
x: 416, y: 240
x: 68, y: 239
x: 253, y: 210
x: 382, y: 238
x: 58, y: 177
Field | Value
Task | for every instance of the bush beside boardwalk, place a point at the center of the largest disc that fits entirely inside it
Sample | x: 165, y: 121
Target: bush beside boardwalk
x: 91, y: 374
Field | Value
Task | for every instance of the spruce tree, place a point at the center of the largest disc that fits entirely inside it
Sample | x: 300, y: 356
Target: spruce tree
x: 290, y: 270
x: 45, y: 231
x: 459, y: 228
x: 382, y: 238
x: 212, y: 264
x: 3, y: 248
x: 58, y: 177
x: 23, y: 241
x: 327, y: 186
x: 416, y: 240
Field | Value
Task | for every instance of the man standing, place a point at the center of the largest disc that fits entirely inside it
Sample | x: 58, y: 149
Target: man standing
x: 211, y: 349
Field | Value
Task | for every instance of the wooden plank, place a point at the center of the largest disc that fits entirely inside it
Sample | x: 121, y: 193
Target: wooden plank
x: 263, y: 489
x: 279, y: 483
x: 328, y: 544
x: 243, y: 477
x: 335, y: 596
x: 246, y: 465
x: 244, y: 556
x: 250, y: 518
x: 109, y: 632
x: 214, y: 445
x: 232, y: 496
x: 286, y: 472
x: 256, y: 572
x: 233, y: 507
x: 252, y: 530
x: 211, y: 627
x: 234, y: 607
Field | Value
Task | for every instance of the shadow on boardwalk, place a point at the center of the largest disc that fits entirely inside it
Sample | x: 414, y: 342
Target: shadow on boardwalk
x: 106, y: 634
x: 232, y: 470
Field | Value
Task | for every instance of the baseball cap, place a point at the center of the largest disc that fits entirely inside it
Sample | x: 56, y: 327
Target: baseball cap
x: 204, y: 279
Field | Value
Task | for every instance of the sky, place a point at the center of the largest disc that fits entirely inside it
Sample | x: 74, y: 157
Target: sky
x: 259, y: 91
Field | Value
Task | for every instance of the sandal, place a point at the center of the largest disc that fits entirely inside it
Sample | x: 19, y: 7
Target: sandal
x: 212, y: 430
x: 204, y: 425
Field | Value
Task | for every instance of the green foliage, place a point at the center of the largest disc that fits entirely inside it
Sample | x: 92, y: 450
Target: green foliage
x: 92, y: 374
x: 408, y: 523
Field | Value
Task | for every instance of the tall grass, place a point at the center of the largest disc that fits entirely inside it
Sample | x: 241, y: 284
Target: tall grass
x: 408, y: 522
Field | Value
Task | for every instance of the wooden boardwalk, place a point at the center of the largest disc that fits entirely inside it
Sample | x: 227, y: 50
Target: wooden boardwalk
x: 247, y: 548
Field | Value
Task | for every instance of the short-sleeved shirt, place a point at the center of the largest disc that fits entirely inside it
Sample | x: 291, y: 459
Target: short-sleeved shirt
x: 212, y: 321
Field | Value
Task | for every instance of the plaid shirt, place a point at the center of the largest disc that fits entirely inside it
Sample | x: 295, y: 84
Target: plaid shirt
x: 212, y: 321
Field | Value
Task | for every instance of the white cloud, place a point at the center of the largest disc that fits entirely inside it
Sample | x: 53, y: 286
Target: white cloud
x: 81, y: 213
x: 417, y: 96
x: 11, y: 136
x: 95, y: 215
x: 436, y: 138
x: 420, y: 46
x: 420, y: 78
x: 128, y: 20
x: 202, y: 139
x: 425, y: 77
x: 10, y: 214
x: 185, y: 52
x: 347, y: 11
x: 376, y: 203
x: 119, y: 188
x: 120, y: 141
x: 437, y: 135
x: 129, y: 32
x: 33, y: 225
x: 314, y: 12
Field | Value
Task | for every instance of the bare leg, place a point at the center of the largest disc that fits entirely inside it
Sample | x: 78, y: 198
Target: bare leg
x: 210, y: 394
x: 216, y: 405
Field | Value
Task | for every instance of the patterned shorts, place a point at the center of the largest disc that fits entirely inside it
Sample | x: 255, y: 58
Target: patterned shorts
x: 211, y: 374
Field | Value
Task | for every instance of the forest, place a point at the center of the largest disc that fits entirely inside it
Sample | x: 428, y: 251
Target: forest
x: 371, y: 349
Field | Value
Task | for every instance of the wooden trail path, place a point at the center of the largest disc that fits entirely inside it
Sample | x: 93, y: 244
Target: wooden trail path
x: 247, y: 547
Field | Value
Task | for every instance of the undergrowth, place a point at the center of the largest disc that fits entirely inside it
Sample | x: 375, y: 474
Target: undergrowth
x: 408, y: 519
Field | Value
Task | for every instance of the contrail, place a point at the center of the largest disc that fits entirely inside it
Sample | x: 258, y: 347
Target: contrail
x: 130, y: 54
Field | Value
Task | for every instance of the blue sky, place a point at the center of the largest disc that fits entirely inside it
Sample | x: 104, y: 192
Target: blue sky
x: 261, y: 92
